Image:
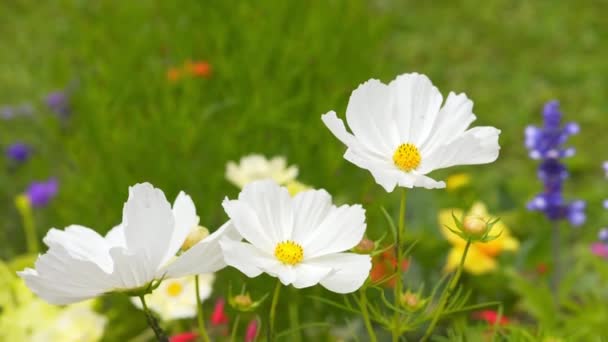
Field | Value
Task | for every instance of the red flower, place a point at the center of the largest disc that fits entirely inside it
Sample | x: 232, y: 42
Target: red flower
x: 173, y: 74
x: 184, y: 337
x: 219, y: 317
x: 490, y: 316
x: 384, y: 265
x: 252, y: 331
x: 199, y: 69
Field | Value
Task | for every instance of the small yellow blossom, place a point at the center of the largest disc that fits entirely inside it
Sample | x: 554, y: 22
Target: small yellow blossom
x: 481, y: 257
x: 457, y: 181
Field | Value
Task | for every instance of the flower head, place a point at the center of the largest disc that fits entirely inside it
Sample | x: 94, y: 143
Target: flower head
x: 301, y: 239
x: 256, y: 167
x: 175, y: 298
x: 184, y: 337
x: 40, y: 194
x: 198, y: 68
x: 59, y: 103
x: 132, y: 258
x: 401, y: 132
x: 384, y: 266
x: 18, y: 152
x: 547, y: 144
x: 252, y: 331
x: 481, y: 257
x: 491, y: 317
x: 219, y: 316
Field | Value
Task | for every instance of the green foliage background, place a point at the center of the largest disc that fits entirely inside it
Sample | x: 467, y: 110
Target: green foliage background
x: 277, y: 66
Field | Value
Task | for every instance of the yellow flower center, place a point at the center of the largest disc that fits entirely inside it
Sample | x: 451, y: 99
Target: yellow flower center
x: 289, y: 252
x: 174, y: 289
x: 407, y: 157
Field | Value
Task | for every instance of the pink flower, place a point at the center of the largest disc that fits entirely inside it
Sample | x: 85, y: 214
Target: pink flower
x: 490, y: 316
x: 252, y: 331
x: 219, y: 317
x: 600, y: 249
x: 183, y: 337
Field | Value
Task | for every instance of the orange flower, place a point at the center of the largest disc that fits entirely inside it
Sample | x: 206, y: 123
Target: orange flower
x: 174, y: 74
x: 384, y: 265
x: 198, y: 68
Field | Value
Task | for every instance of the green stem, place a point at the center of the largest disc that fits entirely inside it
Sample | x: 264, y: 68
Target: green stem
x: 29, y: 228
x: 199, y: 312
x: 447, y: 293
x: 556, y: 274
x: 153, y: 323
x: 396, y: 331
x: 235, y: 328
x: 294, y: 321
x: 273, y: 310
x: 365, y: 313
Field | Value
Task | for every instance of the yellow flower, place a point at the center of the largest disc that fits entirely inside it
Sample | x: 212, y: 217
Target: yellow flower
x: 294, y: 187
x: 457, y: 181
x: 481, y: 257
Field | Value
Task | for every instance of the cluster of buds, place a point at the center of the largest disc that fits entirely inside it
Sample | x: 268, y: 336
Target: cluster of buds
x: 474, y: 228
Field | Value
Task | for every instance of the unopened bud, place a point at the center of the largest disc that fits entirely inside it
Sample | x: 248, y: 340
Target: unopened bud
x: 366, y: 246
x: 411, y: 301
x: 294, y: 187
x: 242, y: 301
x: 474, y: 226
x: 196, y: 235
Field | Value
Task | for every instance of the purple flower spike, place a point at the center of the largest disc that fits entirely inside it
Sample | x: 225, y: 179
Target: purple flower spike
x: 18, y: 152
x: 41, y: 193
x: 58, y: 102
x: 546, y: 143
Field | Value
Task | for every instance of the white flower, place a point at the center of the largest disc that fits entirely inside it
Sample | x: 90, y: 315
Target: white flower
x: 82, y: 264
x: 298, y: 239
x: 176, y: 298
x: 401, y: 132
x: 75, y: 323
x: 256, y: 167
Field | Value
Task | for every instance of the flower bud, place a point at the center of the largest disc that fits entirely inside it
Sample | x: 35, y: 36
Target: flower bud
x: 196, y: 235
x: 411, y: 301
x: 366, y: 246
x: 474, y: 226
x: 294, y: 187
x: 242, y: 301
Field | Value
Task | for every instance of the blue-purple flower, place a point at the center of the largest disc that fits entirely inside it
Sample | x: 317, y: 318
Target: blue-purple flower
x: 546, y: 143
x: 41, y: 193
x: 58, y: 102
x: 19, y: 152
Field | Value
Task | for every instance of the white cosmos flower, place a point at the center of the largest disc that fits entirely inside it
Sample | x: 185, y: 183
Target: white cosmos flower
x: 298, y: 239
x: 256, y: 167
x: 82, y: 264
x: 401, y: 132
x: 176, y: 298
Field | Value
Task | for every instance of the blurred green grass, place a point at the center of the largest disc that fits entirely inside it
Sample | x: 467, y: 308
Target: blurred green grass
x: 277, y: 66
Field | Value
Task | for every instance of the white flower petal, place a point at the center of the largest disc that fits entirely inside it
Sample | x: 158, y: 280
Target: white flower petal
x: 247, y: 258
x: 286, y: 274
x: 308, y: 275
x: 148, y: 223
x: 248, y: 225
x: 451, y: 122
x: 184, y: 213
x: 369, y: 117
x: 478, y: 145
x: 81, y: 243
x: 310, y: 209
x: 204, y: 257
x: 131, y: 270
x: 60, y: 278
x: 416, y: 105
x: 342, y: 229
x: 116, y: 237
x: 349, y: 271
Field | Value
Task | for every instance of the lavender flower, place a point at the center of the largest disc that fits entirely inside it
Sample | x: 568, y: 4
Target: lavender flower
x: 18, y: 152
x: 41, y: 193
x: 546, y: 143
x: 58, y: 102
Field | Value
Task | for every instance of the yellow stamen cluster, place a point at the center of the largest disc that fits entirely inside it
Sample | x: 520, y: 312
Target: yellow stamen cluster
x: 174, y: 289
x: 289, y: 252
x: 407, y: 157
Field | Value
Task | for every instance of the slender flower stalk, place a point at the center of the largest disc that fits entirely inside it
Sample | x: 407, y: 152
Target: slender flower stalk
x: 235, y: 327
x: 447, y: 293
x: 199, y: 312
x: 365, y: 313
x: 273, y: 310
x: 398, y: 252
x: 153, y: 323
x: 24, y: 208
